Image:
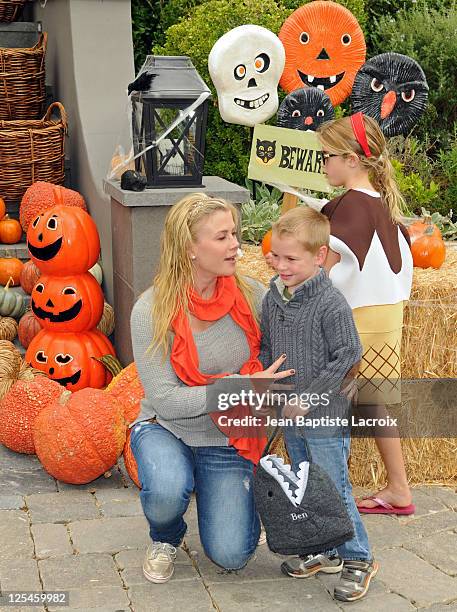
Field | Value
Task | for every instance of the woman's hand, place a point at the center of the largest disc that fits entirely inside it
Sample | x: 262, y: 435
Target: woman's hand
x: 264, y: 380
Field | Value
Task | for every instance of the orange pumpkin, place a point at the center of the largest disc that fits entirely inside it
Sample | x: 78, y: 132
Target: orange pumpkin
x: 28, y: 328
x: 130, y: 462
x: 428, y: 251
x: 126, y: 387
x: 266, y: 242
x: 29, y: 276
x: 2, y: 208
x: 10, y: 268
x: 68, y: 303
x: 80, y: 436
x: 42, y: 195
x: 68, y: 357
x: 421, y: 227
x: 63, y: 240
x: 10, y: 230
x: 325, y: 48
x: 20, y: 407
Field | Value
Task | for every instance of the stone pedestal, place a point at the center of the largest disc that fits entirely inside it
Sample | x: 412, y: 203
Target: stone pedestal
x: 136, y: 225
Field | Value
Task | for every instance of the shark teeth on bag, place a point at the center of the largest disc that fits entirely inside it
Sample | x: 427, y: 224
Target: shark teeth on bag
x: 284, y: 475
x: 302, y: 475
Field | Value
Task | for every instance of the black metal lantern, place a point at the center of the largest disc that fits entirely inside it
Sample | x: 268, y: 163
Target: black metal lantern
x: 171, y: 101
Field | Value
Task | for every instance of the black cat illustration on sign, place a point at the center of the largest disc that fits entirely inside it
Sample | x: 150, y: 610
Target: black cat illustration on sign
x: 265, y: 151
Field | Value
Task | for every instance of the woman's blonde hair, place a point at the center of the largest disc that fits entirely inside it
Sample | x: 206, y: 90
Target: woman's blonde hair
x: 310, y: 227
x: 175, y: 272
x: 338, y: 137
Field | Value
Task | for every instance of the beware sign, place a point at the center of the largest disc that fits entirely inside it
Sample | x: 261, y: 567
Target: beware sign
x: 287, y: 157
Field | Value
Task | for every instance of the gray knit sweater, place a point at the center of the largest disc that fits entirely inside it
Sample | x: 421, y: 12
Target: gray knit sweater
x: 315, y: 329
x: 183, y: 410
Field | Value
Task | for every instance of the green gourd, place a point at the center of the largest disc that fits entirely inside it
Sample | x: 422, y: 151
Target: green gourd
x: 12, y: 304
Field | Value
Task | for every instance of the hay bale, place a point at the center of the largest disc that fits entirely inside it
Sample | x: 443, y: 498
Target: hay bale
x: 429, y: 350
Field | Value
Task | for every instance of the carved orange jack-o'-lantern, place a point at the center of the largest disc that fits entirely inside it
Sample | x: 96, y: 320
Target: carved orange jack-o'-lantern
x: 63, y: 240
x: 325, y: 48
x: 68, y: 357
x: 68, y: 303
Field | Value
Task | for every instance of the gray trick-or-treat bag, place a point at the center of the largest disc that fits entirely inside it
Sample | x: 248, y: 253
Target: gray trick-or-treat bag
x: 302, y: 512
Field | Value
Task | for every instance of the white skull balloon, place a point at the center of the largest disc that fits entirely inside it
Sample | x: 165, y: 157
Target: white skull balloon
x: 245, y: 65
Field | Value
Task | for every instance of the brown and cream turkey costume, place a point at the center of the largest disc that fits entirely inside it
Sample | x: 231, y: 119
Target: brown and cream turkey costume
x: 375, y: 276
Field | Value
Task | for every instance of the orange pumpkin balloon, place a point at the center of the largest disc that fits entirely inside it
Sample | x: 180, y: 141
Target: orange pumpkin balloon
x: 68, y: 303
x: 68, y: 357
x: 325, y: 48
x: 63, y: 240
x: 266, y: 242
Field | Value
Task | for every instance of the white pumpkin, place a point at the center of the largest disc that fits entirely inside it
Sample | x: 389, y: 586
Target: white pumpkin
x: 97, y: 273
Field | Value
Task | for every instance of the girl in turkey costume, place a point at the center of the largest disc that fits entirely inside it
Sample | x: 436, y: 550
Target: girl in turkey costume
x: 370, y: 262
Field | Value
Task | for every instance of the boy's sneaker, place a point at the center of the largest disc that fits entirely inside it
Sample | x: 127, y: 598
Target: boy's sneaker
x: 303, y: 567
x: 355, y: 580
x: 159, y: 562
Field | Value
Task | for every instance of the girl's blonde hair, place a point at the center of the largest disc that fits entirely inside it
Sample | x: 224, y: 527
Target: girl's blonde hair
x: 175, y: 272
x: 338, y: 137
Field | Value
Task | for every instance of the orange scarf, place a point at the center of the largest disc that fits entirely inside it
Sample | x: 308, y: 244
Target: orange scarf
x: 227, y: 299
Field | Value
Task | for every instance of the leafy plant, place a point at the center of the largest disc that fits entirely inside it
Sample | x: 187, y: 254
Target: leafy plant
x: 258, y: 215
x: 444, y: 223
x: 413, y: 189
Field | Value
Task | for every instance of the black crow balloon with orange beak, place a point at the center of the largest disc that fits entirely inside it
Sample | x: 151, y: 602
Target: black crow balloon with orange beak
x: 392, y: 89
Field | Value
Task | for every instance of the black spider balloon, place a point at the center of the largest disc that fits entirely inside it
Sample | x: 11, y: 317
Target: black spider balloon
x: 392, y: 89
x: 305, y: 109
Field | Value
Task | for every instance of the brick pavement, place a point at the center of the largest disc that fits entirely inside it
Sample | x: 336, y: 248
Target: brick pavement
x: 90, y: 540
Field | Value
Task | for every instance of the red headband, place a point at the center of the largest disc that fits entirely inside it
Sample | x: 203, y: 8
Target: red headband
x: 358, y: 127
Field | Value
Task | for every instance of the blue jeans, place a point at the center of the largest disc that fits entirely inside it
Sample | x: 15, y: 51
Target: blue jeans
x: 331, y: 452
x: 169, y: 471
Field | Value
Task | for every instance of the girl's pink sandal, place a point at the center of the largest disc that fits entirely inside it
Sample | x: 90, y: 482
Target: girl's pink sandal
x: 384, y: 507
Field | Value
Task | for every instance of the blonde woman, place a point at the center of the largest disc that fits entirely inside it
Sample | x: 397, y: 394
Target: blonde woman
x: 370, y: 262
x: 197, y: 323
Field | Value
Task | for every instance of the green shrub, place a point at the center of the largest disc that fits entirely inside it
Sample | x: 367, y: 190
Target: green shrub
x: 447, y: 175
x: 414, y: 190
x: 151, y: 19
x: 357, y: 7
x: 429, y: 36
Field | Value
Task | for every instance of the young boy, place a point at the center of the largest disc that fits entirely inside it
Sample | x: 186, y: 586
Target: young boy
x: 309, y: 320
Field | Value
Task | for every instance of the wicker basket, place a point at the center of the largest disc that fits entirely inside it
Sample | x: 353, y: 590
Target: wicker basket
x: 22, y: 81
x: 31, y: 151
x: 10, y: 10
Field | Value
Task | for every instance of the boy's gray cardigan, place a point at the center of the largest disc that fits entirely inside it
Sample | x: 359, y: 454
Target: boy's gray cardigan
x: 315, y: 329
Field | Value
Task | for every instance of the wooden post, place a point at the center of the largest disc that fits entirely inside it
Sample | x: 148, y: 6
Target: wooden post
x: 289, y: 201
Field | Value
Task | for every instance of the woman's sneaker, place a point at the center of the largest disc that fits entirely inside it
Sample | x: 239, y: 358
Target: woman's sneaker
x: 159, y: 562
x: 303, y: 567
x: 355, y: 580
